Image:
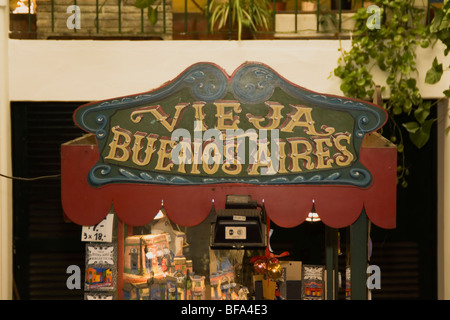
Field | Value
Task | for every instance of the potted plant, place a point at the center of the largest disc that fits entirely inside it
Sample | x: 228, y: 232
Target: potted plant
x: 280, y: 5
x: 255, y: 15
x: 309, y: 5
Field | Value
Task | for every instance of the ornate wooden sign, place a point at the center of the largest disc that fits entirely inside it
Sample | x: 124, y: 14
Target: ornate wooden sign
x: 252, y: 127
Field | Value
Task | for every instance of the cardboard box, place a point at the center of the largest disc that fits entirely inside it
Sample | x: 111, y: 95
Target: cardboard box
x: 264, y: 289
x: 291, y: 286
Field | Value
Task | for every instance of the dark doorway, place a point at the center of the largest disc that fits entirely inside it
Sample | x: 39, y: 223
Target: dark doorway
x: 45, y: 245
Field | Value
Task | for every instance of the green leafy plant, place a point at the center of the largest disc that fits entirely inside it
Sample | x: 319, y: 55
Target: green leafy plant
x: 440, y: 30
x: 328, y: 21
x: 391, y: 48
x: 440, y: 25
x: 152, y: 9
x: 253, y: 14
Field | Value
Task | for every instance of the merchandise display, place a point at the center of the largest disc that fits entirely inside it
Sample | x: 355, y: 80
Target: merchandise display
x: 157, y: 265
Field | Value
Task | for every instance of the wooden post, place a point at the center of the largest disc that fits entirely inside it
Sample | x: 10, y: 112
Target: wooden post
x: 120, y: 251
x: 331, y: 261
x: 443, y: 223
x: 358, y: 257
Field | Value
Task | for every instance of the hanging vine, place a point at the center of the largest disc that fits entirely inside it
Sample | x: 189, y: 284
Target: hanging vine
x: 391, y: 47
x: 440, y: 30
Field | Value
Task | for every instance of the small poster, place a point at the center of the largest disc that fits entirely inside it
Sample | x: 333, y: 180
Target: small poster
x: 101, y: 272
x: 312, y: 282
x: 347, y: 283
x: 101, y: 232
x: 98, y: 296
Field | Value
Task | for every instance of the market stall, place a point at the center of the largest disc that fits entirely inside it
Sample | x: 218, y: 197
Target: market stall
x: 207, y: 143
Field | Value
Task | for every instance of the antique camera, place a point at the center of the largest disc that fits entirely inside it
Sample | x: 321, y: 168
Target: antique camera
x: 241, y: 225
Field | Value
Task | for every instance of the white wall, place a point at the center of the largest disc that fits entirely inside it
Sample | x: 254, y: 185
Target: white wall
x: 44, y: 70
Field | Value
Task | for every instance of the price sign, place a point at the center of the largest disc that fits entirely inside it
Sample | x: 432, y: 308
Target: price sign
x: 101, y: 232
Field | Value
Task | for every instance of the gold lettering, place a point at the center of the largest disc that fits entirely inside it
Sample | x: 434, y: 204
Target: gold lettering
x: 137, y: 147
x: 119, y: 144
x: 345, y: 157
x: 184, y: 155
x: 199, y: 116
x: 296, y: 156
x: 137, y: 115
x: 308, y: 150
x: 264, y: 160
x: 234, y: 166
x: 197, y: 156
x: 323, y: 153
x: 282, y: 161
x: 165, y: 154
x: 211, y: 153
x: 226, y: 119
x: 274, y: 117
x: 301, y: 117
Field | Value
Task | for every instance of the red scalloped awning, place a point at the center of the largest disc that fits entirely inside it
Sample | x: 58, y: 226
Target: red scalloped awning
x: 286, y: 205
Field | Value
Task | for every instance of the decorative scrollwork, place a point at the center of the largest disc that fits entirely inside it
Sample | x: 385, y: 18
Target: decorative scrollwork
x: 361, y: 176
x: 102, y: 120
x: 254, y: 83
x: 98, y: 173
x: 207, y: 84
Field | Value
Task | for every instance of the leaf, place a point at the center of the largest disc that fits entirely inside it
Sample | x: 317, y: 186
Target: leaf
x: 142, y: 4
x: 407, y: 106
x: 447, y: 130
x: 397, y: 110
x: 246, y: 22
x: 406, y: 69
x: 437, y: 20
x: 447, y: 93
x: 152, y: 15
x: 361, y: 82
x: 345, y: 87
x: 411, y: 127
x: 411, y: 82
x: 421, y: 114
x: 434, y: 74
x: 405, y: 18
x: 420, y: 134
x: 339, y: 71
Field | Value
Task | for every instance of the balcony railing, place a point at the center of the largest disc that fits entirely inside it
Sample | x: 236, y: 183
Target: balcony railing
x: 120, y: 19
